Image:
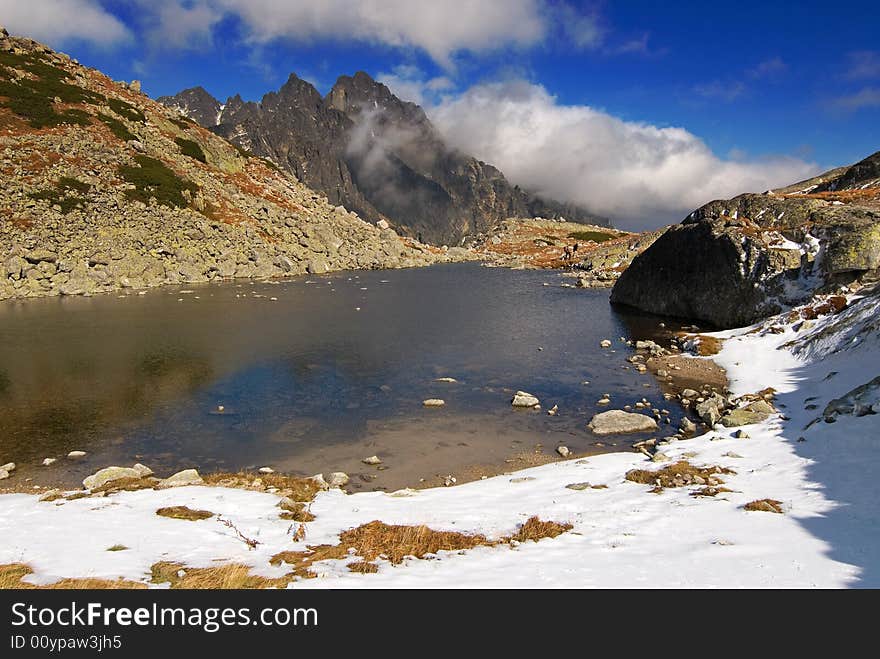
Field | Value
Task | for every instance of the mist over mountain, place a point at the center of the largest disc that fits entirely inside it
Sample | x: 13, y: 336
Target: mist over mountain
x: 375, y: 154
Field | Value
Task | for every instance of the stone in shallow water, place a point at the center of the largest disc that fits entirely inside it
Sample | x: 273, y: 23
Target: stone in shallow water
x: 338, y: 479
x: 524, y: 399
x: 564, y: 451
x: 618, y: 422
x: 76, y: 454
x: 434, y: 402
x: 372, y: 460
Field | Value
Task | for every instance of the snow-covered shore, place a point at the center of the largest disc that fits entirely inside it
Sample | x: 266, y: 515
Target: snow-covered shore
x: 622, y: 536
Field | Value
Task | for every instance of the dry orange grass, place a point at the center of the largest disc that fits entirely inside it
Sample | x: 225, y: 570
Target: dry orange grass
x: 183, y: 512
x: 363, y: 545
x: 297, y: 488
x: 764, y: 506
x: 394, y: 543
x: 11, y: 576
x: 223, y: 577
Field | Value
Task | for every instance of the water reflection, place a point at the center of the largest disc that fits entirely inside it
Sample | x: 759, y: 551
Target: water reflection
x: 307, y: 381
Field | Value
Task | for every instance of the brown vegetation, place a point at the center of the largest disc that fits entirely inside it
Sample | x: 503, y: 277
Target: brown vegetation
x: 183, y: 512
x: 223, y: 577
x: 11, y: 576
x: 764, y: 506
x: 394, y: 543
x: 293, y: 487
x: 680, y: 474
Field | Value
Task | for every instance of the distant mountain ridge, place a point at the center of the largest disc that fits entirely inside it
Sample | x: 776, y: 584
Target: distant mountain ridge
x: 375, y: 154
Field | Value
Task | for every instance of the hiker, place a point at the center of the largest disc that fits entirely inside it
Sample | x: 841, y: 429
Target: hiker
x: 567, y: 253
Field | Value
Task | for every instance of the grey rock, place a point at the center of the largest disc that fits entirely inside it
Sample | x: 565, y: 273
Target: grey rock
x: 524, y: 399
x: 181, y: 479
x: 338, y: 479
x: 615, y: 422
x: 109, y: 474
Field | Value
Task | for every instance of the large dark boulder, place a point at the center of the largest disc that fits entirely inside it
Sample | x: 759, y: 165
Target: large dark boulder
x: 717, y: 271
x: 732, y: 262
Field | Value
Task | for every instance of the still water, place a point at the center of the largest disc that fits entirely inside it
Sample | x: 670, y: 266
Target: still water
x: 313, y: 374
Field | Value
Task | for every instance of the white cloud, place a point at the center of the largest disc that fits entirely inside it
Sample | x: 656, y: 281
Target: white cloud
x: 769, y: 68
x: 869, y: 97
x: 171, y: 24
x: 441, y: 29
x: 636, y: 173
x: 864, y: 64
x: 62, y: 21
x: 723, y: 91
x: 583, y: 30
x: 411, y: 84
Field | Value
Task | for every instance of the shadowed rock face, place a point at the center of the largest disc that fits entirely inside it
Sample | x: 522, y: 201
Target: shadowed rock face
x: 730, y: 263
x: 706, y: 271
x: 375, y: 154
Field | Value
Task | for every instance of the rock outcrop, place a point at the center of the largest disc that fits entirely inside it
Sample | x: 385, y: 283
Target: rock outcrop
x: 733, y: 262
x: 104, y: 189
x: 373, y: 153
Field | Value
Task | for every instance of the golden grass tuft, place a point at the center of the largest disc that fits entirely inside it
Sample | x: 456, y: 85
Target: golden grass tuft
x: 535, y: 529
x: 394, y: 543
x: 764, y: 506
x: 708, y: 345
x: 183, y: 512
x: 294, y: 487
x: 296, y: 511
x: 11, y: 576
x: 232, y: 576
x: 680, y: 474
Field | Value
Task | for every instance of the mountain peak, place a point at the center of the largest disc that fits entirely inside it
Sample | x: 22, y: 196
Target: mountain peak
x: 196, y: 103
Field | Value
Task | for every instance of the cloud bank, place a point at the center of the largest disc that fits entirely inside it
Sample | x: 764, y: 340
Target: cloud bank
x: 440, y: 29
x: 63, y: 21
x: 638, y: 174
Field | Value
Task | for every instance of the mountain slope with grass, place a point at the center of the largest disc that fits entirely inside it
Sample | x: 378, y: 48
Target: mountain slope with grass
x: 104, y: 188
x: 373, y: 152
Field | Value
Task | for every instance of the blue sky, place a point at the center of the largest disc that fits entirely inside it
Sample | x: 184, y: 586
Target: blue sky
x: 770, y: 90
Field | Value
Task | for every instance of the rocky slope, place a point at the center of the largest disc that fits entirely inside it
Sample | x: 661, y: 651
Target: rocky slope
x: 104, y: 188
x: 730, y: 263
x: 375, y: 154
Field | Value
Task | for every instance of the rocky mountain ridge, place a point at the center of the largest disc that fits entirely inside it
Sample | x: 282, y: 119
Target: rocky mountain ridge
x: 732, y: 262
x: 104, y: 188
x: 375, y: 154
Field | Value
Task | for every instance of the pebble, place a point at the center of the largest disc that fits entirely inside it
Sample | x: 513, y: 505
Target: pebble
x: 372, y: 460
x: 449, y: 481
x: 73, y: 455
x: 47, y: 461
x: 434, y: 402
x: 564, y: 451
x: 553, y: 410
x: 603, y: 401
x: 266, y: 470
x: 605, y: 343
x: 9, y: 466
